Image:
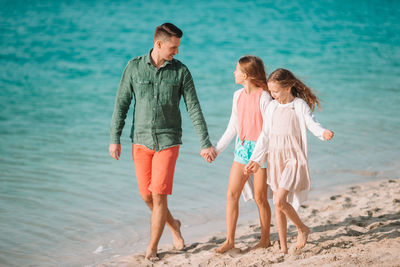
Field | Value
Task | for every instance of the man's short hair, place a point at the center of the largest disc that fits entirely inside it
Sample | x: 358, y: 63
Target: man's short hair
x: 166, y: 31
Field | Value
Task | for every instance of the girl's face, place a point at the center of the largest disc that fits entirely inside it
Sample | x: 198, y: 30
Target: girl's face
x: 240, y: 76
x: 280, y: 94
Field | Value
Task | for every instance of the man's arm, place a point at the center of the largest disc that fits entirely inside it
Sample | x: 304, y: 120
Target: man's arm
x: 192, y: 103
x: 121, y: 107
x: 194, y: 109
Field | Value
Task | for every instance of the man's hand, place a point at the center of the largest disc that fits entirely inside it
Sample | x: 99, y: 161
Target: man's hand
x: 327, y: 135
x: 115, y: 150
x: 251, y: 167
x: 209, y: 154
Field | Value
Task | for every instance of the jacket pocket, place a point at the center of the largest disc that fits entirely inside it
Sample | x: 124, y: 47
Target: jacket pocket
x: 169, y: 92
x: 143, y: 88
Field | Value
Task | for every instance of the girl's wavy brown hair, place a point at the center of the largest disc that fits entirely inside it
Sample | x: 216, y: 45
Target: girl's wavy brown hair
x: 254, y: 67
x: 286, y: 78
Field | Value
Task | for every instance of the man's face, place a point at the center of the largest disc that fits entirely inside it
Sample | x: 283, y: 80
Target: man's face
x: 169, y: 48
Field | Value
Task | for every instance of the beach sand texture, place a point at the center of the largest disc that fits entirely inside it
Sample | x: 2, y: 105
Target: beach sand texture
x: 359, y: 226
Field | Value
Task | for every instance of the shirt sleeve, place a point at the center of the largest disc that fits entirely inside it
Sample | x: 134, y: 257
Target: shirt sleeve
x: 260, y: 150
x: 193, y: 107
x: 122, y: 103
x: 264, y: 102
x: 231, y: 129
x: 311, y: 122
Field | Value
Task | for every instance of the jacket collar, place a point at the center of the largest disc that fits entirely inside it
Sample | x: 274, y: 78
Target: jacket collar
x: 147, y: 59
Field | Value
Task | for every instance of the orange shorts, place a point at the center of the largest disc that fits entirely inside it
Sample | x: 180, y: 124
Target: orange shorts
x: 154, y: 170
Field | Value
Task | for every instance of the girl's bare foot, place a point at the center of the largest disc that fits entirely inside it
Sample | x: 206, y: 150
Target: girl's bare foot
x: 261, y: 244
x: 225, y: 247
x: 179, y: 243
x: 151, y: 255
x: 302, y: 237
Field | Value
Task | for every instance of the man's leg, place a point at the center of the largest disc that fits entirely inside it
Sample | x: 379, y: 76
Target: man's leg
x: 158, y: 219
x: 143, y: 158
x: 163, y: 168
x: 173, y: 224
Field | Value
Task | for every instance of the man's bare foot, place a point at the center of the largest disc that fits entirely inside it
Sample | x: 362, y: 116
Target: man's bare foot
x: 284, y: 250
x: 179, y: 243
x: 225, y: 247
x: 302, y: 237
x: 261, y: 244
x: 151, y: 255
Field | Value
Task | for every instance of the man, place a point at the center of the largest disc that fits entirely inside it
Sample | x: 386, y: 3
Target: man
x: 156, y: 81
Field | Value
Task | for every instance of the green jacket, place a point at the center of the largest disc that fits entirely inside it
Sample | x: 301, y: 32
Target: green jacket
x: 157, y: 122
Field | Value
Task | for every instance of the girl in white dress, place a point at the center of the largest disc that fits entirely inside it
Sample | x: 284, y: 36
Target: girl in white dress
x: 283, y: 141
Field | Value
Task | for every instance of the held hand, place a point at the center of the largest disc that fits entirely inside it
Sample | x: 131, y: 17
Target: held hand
x: 327, y: 135
x: 204, y: 154
x: 251, y: 167
x: 209, y: 154
x: 115, y: 150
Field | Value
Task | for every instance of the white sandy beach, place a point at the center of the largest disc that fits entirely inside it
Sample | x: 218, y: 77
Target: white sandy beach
x: 359, y: 226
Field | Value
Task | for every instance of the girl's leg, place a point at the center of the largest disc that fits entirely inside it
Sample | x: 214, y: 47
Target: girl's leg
x: 281, y: 224
x: 237, y: 179
x: 289, y: 211
x: 260, y: 197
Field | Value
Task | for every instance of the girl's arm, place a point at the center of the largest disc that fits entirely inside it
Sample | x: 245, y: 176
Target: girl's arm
x: 260, y: 150
x: 258, y: 157
x: 258, y: 161
x: 311, y: 122
x: 231, y: 129
x: 264, y: 103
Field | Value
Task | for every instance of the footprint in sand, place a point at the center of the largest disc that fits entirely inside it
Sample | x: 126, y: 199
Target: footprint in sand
x: 234, y: 252
x: 314, y: 212
x: 335, y: 197
x: 358, y: 223
x: 354, y: 188
x: 374, y: 225
x: 348, y: 203
x: 375, y: 195
x: 354, y: 230
x: 316, y: 250
x: 280, y: 258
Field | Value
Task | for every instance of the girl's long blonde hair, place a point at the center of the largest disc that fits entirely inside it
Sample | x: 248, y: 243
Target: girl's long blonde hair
x: 254, y: 67
x: 285, y: 78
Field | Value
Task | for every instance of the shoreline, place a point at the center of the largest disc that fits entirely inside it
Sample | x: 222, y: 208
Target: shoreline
x: 356, y: 224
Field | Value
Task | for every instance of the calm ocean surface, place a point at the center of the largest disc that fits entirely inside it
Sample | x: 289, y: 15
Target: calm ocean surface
x: 64, y: 201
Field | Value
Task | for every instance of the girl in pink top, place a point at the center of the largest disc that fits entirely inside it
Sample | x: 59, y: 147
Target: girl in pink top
x: 249, y: 105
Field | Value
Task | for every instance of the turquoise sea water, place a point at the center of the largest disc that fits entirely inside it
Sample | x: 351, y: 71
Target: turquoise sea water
x: 64, y: 201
